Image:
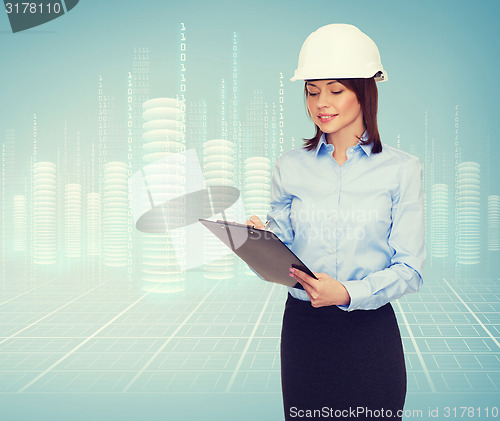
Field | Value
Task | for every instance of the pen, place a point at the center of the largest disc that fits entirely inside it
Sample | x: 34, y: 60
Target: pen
x: 267, y: 223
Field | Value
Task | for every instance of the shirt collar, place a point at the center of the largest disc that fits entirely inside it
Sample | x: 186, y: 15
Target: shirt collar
x: 323, y: 144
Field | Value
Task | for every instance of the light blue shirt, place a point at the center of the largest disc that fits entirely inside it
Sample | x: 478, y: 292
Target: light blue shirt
x: 362, y: 222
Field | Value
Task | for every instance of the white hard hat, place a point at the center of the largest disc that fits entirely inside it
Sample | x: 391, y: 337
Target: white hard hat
x: 339, y: 51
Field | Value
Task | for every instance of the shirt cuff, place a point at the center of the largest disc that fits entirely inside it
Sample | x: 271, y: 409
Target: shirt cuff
x: 357, y: 290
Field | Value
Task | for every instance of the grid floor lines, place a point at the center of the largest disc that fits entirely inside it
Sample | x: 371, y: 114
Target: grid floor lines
x: 222, y: 337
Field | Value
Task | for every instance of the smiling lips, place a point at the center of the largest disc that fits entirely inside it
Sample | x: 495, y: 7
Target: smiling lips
x: 326, y: 117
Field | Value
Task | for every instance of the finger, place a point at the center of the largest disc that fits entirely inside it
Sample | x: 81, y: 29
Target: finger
x: 304, y: 277
x: 257, y: 223
x: 252, y: 222
x: 308, y: 289
x: 311, y: 292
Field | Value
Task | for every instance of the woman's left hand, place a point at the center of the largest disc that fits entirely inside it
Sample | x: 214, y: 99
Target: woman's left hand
x: 324, y: 291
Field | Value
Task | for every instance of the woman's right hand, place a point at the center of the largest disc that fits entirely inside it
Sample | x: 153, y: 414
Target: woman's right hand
x: 255, y: 221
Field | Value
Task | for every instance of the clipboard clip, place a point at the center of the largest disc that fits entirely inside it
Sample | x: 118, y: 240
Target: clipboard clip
x: 237, y: 224
x: 220, y: 221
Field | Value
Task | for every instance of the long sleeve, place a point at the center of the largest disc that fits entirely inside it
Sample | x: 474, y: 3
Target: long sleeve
x: 406, y: 240
x: 279, y: 214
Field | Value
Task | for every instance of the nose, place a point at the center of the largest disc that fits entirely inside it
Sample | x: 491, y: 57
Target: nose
x: 322, y: 99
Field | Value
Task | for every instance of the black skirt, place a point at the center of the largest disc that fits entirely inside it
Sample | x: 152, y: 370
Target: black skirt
x: 337, y: 364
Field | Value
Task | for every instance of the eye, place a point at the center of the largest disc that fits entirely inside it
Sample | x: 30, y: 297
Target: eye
x: 336, y: 92
x: 311, y: 93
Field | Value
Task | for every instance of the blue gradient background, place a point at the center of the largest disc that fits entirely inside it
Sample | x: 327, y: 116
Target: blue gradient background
x: 438, y: 54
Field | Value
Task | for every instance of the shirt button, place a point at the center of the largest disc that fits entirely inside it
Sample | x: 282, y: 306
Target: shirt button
x: 335, y: 189
x: 330, y: 250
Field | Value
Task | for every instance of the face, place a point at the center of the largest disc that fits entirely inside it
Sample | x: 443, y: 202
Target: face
x: 334, y: 108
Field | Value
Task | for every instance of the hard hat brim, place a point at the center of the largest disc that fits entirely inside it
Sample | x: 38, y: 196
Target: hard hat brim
x: 380, y: 76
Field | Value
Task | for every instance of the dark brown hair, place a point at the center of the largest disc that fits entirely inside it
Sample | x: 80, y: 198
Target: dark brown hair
x: 367, y: 95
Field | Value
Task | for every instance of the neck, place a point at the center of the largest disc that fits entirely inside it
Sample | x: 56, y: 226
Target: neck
x: 344, y: 139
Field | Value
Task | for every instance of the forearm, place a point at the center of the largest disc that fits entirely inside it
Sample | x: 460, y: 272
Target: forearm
x: 381, y: 287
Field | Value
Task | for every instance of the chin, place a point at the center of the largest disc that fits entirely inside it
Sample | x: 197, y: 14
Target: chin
x: 326, y: 129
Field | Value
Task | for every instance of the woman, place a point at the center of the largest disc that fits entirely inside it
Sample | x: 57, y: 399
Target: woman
x: 350, y: 208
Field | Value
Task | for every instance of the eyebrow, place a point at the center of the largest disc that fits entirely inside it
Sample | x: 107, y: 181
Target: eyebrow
x: 329, y: 83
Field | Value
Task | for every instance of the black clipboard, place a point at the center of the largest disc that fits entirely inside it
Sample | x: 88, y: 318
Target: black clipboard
x: 260, y: 249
